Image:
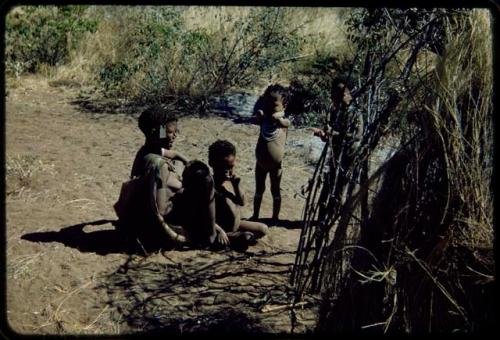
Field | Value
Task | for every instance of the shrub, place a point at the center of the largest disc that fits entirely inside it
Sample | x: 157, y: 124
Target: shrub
x: 37, y: 35
x: 418, y: 255
x: 251, y: 47
x: 164, y: 57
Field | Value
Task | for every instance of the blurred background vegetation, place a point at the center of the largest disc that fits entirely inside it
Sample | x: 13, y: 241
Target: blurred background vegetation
x: 164, y: 53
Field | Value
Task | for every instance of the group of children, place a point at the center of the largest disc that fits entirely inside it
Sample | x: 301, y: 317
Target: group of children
x: 199, y: 208
x: 203, y: 209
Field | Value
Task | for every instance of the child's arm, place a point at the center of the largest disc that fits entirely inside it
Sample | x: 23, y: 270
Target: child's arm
x: 162, y: 207
x: 259, y: 117
x: 283, y: 122
x: 174, y: 155
x: 238, y: 196
x: 325, y: 133
x: 221, y: 235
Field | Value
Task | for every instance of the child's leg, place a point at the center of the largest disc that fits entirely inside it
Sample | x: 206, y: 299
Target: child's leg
x: 257, y: 228
x: 275, y: 176
x: 240, y: 240
x: 260, y: 187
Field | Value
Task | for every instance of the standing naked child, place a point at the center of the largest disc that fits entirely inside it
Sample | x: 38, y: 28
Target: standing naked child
x: 270, y: 147
x: 229, y: 197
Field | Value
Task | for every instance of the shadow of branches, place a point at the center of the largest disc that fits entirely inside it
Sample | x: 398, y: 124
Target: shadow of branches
x: 207, y: 292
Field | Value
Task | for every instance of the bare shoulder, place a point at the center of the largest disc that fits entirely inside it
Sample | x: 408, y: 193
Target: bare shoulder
x: 168, y: 153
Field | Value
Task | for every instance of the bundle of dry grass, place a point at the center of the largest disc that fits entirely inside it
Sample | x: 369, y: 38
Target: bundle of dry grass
x: 419, y: 259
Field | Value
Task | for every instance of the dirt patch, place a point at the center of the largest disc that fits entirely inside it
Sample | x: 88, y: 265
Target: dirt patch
x: 67, y: 270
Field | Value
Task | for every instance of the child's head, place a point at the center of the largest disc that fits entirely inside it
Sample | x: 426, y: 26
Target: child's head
x: 196, y: 179
x: 275, y: 99
x: 222, y: 158
x: 159, y: 126
x: 341, y: 91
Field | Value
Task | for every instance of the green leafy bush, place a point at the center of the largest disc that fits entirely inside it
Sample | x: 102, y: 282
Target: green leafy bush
x: 259, y: 44
x: 163, y: 56
x: 38, y: 35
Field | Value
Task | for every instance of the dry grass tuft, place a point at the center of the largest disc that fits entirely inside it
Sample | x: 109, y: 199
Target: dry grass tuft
x: 21, y: 172
x: 20, y: 266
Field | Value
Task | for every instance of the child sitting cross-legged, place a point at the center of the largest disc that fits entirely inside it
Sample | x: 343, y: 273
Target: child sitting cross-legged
x: 229, y: 197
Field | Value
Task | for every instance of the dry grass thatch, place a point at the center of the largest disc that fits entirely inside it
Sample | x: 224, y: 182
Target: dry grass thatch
x: 419, y: 257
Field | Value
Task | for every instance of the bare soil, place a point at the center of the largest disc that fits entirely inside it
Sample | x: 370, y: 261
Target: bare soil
x: 69, y: 272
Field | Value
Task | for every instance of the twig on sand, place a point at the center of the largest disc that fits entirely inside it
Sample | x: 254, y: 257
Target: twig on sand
x: 97, y: 318
x: 79, y: 200
x: 274, y: 308
x: 55, y: 315
x: 44, y: 325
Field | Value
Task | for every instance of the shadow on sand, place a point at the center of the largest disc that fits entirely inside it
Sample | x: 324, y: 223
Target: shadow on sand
x: 102, y: 242
x: 112, y: 241
x: 205, y: 292
x: 282, y: 223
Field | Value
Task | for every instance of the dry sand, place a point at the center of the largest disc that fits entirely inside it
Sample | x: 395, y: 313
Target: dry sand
x: 68, y: 272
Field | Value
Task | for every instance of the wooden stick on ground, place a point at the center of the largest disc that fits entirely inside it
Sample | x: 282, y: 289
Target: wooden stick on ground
x: 274, y: 308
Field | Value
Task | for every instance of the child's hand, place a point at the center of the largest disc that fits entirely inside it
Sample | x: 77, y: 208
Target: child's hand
x: 235, y: 180
x: 222, y: 237
x: 318, y: 132
x: 228, y: 174
x: 277, y: 116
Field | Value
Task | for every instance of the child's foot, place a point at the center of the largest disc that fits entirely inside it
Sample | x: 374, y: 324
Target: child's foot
x: 253, y: 218
x: 241, y: 241
x: 216, y: 246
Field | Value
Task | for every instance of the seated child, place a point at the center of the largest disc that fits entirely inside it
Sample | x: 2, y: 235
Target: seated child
x: 152, y: 200
x: 229, y: 197
x: 193, y: 207
x: 160, y: 129
x: 270, y: 147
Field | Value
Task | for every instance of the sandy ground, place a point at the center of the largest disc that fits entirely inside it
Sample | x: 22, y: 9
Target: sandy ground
x: 68, y: 272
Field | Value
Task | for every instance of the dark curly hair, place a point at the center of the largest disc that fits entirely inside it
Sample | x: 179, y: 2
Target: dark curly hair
x: 154, y: 117
x: 196, y: 177
x: 277, y: 89
x: 341, y: 79
x: 219, y: 150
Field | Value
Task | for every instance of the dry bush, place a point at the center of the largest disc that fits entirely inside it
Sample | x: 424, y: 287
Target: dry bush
x: 324, y: 25
x: 156, y: 53
x: 460, y: 118
x: 423, y: 259
x: 39, y: 38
